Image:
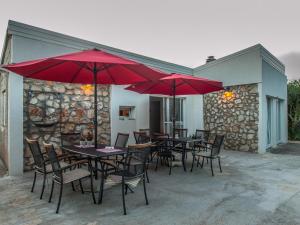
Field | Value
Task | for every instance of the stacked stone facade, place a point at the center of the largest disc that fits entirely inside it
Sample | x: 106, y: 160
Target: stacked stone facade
x: 234, y: 116
x: 51, y: 108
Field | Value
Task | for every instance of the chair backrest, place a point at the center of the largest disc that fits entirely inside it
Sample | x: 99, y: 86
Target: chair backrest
x: 68, y: 139
x: 121, y: 140
x: 147, y: 131
x: 182, y: 132
x: 202, y: 134
x: 52, y: 156
x: 216, y: 146
x: 134, y: 153
x: 139, y: 136
x: 36, y: 152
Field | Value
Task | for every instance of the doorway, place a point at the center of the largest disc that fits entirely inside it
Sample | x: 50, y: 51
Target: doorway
x: 156, y: 114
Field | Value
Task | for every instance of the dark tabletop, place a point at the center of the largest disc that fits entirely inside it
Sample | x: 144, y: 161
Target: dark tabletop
x: 92, y: 152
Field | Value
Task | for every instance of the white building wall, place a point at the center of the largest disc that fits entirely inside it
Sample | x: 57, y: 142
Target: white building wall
x: 236, y: 69
x: 274, y: 85
x: 121, y: 97
x: 194, y: 113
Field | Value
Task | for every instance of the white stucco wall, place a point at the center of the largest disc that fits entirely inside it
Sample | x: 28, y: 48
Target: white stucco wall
x: 238, y: 68
x: 193, y: 113
x: 121, y: 97
x: 274, y: 84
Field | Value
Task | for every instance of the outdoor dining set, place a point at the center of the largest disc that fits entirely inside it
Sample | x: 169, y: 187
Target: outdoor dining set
x: 120, y: 163
x: 123, y: 164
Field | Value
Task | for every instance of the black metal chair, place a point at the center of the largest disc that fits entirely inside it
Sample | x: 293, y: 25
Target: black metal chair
x: 128, y: 175
x: 41, y: 163
x: 62, y: 177
x: 203, y: 135
x: 111, y: 164
x: 121, y: 141
x: 137, y: 136
x: 213, y: 152
x: 182, y: 132
x: 164, y: 147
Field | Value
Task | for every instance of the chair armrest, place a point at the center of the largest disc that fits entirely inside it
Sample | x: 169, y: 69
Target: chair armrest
x: 74, y: 164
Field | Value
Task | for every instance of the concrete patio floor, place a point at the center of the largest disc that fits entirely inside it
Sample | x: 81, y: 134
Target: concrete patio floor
x: 253, y: 189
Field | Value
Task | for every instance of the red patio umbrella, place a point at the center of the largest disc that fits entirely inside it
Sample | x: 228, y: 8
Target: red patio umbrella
x: 87, y: 67
x: 177, y: 84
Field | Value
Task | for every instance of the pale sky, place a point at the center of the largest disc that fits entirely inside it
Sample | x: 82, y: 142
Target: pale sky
x: 183, y: 32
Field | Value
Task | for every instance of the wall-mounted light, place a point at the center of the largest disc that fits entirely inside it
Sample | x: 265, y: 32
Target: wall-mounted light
x: 87, y: 89
x: 228, y: 94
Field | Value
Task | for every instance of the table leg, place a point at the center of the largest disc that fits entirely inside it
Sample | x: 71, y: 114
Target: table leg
x: 183, y: 156
x: 96, y: 169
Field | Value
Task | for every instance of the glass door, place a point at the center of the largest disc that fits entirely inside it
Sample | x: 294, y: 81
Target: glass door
x: 168, y: 114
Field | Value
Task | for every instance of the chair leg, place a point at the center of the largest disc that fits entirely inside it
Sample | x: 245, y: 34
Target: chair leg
x: 219, y: 160
x: 198, y: 163
x: 81, y: 188
x: 193, y: 163
x: 34, y: 179
x: 145, y: 192
x: 59, y: 200
x: 147, y: 176
x: 123, y: 197
x: 73, y: 187
x: 170, y: 167
x: 156, y: 163
x: 43, y: 187
x: 211, y: 167
x: 92, y: 188
x: 51, y: 193
x: 202, y: 162
x: 126, y: 189
x: 100, y: 196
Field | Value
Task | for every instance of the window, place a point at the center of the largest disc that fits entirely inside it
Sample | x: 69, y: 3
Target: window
x: 127, y: 112
x: 168, y: 114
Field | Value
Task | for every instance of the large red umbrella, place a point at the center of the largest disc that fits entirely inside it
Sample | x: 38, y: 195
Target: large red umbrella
x: 177, y: 84
x: 87, y: 67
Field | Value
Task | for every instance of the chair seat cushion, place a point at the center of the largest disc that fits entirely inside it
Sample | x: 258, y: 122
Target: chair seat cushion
x: 204, y: 154
x: 112, y: 180
x: 76, y: 174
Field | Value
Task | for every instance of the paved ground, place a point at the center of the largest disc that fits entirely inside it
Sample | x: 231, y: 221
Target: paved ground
x: 253, y: 189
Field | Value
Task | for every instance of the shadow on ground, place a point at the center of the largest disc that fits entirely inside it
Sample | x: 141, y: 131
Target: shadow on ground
x: 287, y: 149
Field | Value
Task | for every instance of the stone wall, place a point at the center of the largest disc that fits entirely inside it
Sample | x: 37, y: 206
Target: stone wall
x: 235, y: 116
x: 64, y: 108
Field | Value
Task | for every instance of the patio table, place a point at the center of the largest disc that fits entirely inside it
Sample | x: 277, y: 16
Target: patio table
x: 183, y: 149
x: 95, y: 153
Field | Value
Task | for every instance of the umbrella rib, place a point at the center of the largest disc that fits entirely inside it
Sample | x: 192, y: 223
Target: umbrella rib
x: 107, y: 69
x: 153, y: 85
x: 76, y: 74
x: 45, y: 68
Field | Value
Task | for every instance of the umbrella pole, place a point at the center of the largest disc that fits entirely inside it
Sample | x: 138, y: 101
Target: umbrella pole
x: 95, y: 106
x: 174, y: 115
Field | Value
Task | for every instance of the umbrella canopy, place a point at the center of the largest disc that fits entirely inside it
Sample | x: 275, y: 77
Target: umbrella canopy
x: 87, y: 67
x: 184, y: 85
x: 177, y: 84
x: 80, y: 67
